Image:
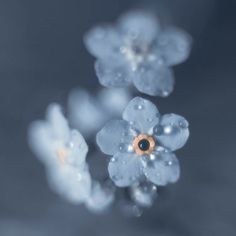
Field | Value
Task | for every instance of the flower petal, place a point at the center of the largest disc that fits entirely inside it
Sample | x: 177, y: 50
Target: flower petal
x: 143, y: 114
x: 72, y: 183
x: 115, y: 135
x: 103, y: 42
x: 134, y: 24
x: 112, y: 73
x: 85, y: 113
x: 154, y: 79
x: 125, y: 169
x: 101, y: 197
x: 114, y: 100
x: 57, y: 121
x: 77, y: 148
x: 172, y: 132
x: 143, y: 194
x: 174, y: 46
x: 162, y: 168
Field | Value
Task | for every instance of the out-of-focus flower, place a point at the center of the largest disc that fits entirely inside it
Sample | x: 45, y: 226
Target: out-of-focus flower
x: 143, y: 194
x: 136, y: 50
x: 142, y: 144
x: 88, y: 113
x: 101, y: 197
x: 63, y: 151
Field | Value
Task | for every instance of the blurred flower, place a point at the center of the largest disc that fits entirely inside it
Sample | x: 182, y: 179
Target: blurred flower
x: 63, y: 151
x: 142, y: 144
x: 143, y: 194
x: 88, y: 114
x: 137, y: 50
x: 101, y: 197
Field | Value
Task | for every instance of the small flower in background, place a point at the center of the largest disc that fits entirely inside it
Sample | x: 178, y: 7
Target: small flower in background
x: 143, y: 194
x: 88, y: 113
x: 63, y: 151
x: 142, y: 144
x: 136, y: 50
x: 101, y: 197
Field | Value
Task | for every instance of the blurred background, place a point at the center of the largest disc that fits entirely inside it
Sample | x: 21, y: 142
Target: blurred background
x: 42, y: 57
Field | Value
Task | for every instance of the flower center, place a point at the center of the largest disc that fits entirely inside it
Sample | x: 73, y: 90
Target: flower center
x: 144, y: 144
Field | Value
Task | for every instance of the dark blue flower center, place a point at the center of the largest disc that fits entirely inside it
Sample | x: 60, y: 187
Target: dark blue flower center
x: 144, y: 144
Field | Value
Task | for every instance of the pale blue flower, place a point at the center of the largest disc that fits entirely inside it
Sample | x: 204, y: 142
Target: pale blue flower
x: 143, y: 194
x: 101, y: 197
x: 136, y: 50
x: 142, y: 144
x: 63, y: 151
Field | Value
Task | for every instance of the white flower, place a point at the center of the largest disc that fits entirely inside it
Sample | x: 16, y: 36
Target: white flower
x: 101, y: 197
x: 137, y: 50
x: 63, y: 151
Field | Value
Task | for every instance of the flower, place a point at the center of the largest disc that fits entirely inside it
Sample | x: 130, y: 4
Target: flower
x: 63, y: 151
x: 101, y: 197
x: 143, y: 194
x: 136, y: 50
x: 88, y: 114
x: 142, y: 144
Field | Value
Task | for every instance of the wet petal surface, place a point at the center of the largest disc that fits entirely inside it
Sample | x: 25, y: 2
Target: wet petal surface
x: 174, y: 46
x: 135, y: 23
x: 162, y: 168
x: 125, y: 169
x: 154, y: 80
x: 112, y: 73
x: 115, y: 136
x: 142, y: 114
x: 103, y: 42
x: 172, y: 132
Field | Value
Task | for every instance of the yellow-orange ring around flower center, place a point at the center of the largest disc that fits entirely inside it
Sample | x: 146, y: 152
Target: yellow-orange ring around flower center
x: 149, y: 139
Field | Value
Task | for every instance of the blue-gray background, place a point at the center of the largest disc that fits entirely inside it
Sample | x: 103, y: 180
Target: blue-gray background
x: 42, y: 57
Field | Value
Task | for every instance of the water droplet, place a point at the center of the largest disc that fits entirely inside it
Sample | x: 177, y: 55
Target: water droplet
x: 79, y: 177
x: 167, y: 129
x: 183, y: 124
x: 138, y: 107
x: 124, y: 162
x: 113, y: 159
x: 168, y: 163
x: 132, y: 178
x: 115, y: 177
x: 165, y: 93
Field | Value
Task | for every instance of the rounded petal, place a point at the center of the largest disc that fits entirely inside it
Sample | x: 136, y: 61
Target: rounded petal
x: 72, y: 183
x: 85, y: 113
x: 114, y: 100
x: 103, y: 42
x: 142, y: 114
x: 143, y: 194
x: 140, y: 26
x: 154, y: 80
x: 162, y: 168
x: 174, y: 46
x: 112, y: 73
x: 41, y: 142
x: 172, y: 132
x: 57, y: 121
x: 114, y: 136
x: 77, y: 148
x: 101, y: 197
x: 125, y: 169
